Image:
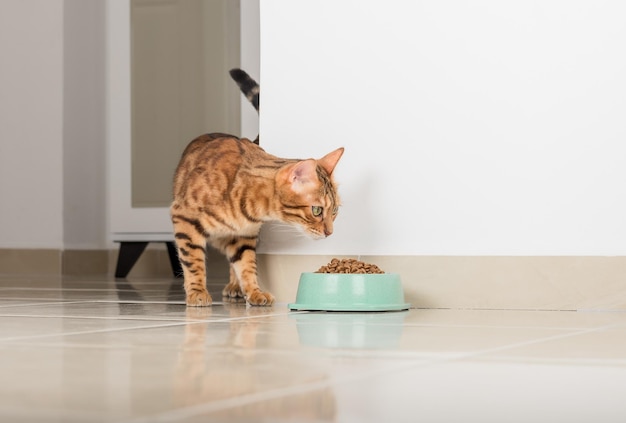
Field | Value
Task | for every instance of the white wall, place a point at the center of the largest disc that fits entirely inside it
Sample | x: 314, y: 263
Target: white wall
x: 470, y: 128
x: 52, y: 124
x: 514, y: 112
x: 31, y: 124
x: 250, y: 62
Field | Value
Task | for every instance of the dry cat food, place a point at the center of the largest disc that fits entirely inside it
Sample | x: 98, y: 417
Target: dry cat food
x: 349, y: 266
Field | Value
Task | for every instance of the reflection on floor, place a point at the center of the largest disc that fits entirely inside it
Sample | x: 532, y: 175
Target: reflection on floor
x: 101, y: 350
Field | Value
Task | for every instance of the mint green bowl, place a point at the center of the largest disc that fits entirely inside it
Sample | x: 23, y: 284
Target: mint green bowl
x: 349, y: 292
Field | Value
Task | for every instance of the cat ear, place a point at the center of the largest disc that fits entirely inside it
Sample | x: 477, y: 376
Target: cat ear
x: 302, y: 173
x: 329, y: 161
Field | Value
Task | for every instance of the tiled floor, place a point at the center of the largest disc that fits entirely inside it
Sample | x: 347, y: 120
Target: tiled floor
x: 98, y: 350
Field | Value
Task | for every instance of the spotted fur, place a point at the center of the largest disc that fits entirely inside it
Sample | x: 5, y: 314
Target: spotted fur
x: 225, y: 188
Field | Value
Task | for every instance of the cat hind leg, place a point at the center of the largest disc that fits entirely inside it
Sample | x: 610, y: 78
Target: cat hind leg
x: 191, y: 247
x: 232, y: 291
x: 241, y: 253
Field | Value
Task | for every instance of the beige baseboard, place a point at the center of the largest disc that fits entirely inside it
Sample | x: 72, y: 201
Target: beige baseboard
x: 482, y: 282
x: 54, y: 261
x: 153, y: 262
x: 546, y: 283
x: 85, y: 262
x: 30, y: 261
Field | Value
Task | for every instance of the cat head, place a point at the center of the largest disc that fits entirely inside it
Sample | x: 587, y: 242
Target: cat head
x: 308, y: 194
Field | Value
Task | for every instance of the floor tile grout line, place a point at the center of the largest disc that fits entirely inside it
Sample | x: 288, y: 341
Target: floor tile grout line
x: 111, y: 330
x: 601, y: 310
x: 485, y: 352
x: 175, y: 303
x: 88, y: 332
x: 48, y: 303
x: 42, y: 299
x: 40, y: 414
x: 154, y: 318
x: 26, y: 288
x: 456, y: 326
x: 545, y: 339
x: 4, y: 313
x: 568, y: 361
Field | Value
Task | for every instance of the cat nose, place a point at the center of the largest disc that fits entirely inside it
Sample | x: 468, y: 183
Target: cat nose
x: 328, y: 232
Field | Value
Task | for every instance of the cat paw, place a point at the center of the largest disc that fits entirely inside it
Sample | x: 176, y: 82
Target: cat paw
x: 258, y: 298
x: 199, y: 299
x: 232, y: 291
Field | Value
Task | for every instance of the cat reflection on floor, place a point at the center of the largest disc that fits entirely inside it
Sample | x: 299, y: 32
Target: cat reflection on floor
x: 213, y: 369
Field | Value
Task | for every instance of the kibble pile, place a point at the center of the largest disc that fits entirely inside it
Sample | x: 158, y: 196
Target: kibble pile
x: 349, y: 266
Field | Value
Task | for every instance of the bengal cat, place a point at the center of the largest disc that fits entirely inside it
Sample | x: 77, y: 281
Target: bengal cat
x: 226, y: 187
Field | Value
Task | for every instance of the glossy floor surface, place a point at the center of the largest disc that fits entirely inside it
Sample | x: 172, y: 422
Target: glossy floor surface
x: 98, y: 350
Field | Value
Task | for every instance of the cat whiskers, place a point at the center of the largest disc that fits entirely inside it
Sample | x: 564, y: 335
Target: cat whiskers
x: 294, y: 231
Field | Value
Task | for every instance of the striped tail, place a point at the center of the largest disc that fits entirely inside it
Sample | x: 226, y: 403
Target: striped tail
x: 247, y: 85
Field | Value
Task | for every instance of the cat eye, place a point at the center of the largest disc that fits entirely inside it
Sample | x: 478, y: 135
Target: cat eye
x: 316, y: 210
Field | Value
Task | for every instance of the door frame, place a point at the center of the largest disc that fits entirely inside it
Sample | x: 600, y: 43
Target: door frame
x: 126, y: 223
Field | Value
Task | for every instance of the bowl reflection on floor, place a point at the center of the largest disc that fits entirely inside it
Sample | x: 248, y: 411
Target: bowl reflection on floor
x: 350, y: 330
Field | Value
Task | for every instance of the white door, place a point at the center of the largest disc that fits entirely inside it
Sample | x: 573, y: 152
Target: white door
x: 157, y: 103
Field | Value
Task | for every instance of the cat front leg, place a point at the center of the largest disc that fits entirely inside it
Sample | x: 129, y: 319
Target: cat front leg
x: 191, y: 246
x: 241, y: 253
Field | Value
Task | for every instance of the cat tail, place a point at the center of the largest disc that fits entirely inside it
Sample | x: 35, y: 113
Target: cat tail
x: 247, y: 85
